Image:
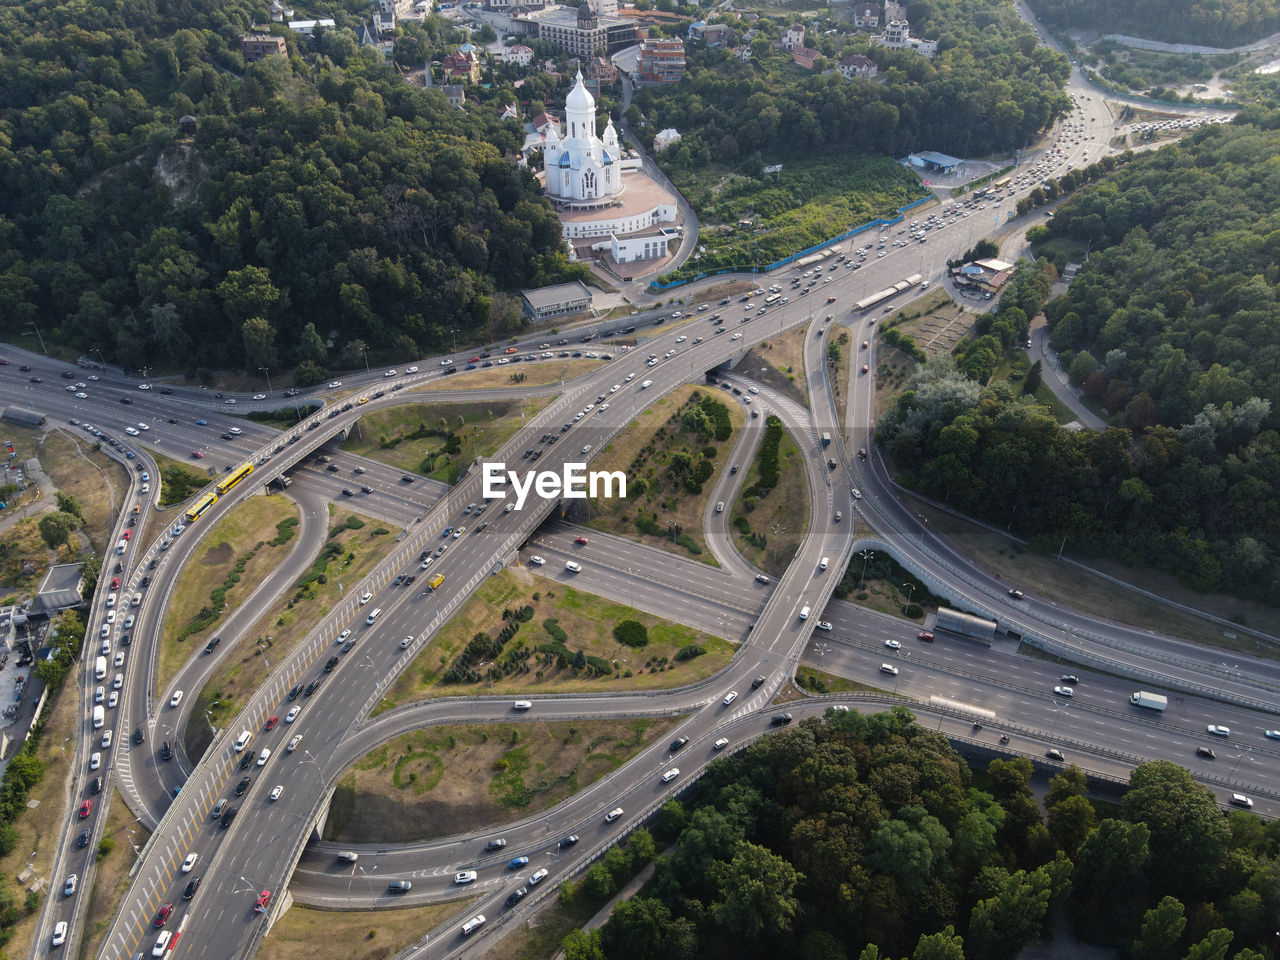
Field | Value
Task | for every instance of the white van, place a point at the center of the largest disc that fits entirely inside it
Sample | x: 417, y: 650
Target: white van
x: 99, y: 717
x: 377, y: 612
x: 822, y: 565
x: 122, y: 546
x: 472, y: 925
x: 804, y: 612
x: 100, y: 668
x: 242, y: 741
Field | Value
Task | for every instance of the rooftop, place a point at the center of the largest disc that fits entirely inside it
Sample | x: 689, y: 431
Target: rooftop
x: 560, y: 293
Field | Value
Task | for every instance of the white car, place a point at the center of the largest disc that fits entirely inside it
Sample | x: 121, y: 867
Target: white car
x: 446, y: 363
x: 365, y: 598
x: 465, y: 876
x: 334, y: 384
x: 111, y: 616
x: 144, y: 426
x: 613, y: 815
x: 276, y: 791
x: 537, y: 561
x: 144, y: 386
x: 410, y: 369
x: 59, y: 933
x: 175, y: 699
x: 823, y: 625
x: 736, y: 336
x: 118, y: 682
x: 98, y: 695
x: 1218, y: 730
x: 106, y: 739
x: 95, y: 760
x: 537, y: 877
x: 264, y: 756
x: 389, y: 373
x: 671, y: 775
x: 889, y: 668
x: 893, y: 644
x: 113, y: 700
x: 293, y: 744
x: 345, y: 633
x: 162, y: 943
x: 573, y: 566
x: 1067, y: 692
x: 292, y: 715
x: 1272, y: 734
x: 729, y: 697
x: 119, y: 660
x: 720, y: 744
x: 404, y: 644
x: 189, y: 864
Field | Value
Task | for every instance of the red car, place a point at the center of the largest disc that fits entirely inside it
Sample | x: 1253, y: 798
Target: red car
x: 163, y: 914
x: 272, y: 721
x: 197, y: 454
x: 128, y: 534
x: 474, y: 360
x: 580, y: 541
x: 86, y: 808
x: 865, y: 368
x: 925, y: 635
x: 831, y: 299
x: 263, y: 899
x: 115, y: 584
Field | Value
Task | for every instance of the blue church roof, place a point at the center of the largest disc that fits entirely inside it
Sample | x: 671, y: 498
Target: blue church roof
x: 564, y: 160
x: 608, y: 158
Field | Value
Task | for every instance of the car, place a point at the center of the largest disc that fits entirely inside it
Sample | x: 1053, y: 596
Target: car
x: 1272, y: 734
x: 1016, y: 594
x: 162, y: 915
x: 95, y: 760
x: 671, y: 775
x: 517, y: 863
x: 823, y: 625
x: 276, y: 791
x: 465, y: 876
x: 1206, y: 752
x: 1240, y: 800
x: 539, y: 875
x: 781, y: 719
x: 1067, y: 692
x: 243, y: 786
x: 925, y: 635
x: 86, y: 808
x: 568, y: 841
x: 495, y: 844
x: 162, y: 943
x: 114, y: 699
x: 677, y: 743
x: 1218, y: 730
x: 580, y: 541
x: 264, y: 898
x: 729, y: 697
x: 757, y: 683
x: 855, y: 493
x: 343, y: 635
x: 1055, y: 754
x: 190, y: 862
x: 59, y: 928
x: 720, y: 744
x: 81, y: 395
x: 192, y: 886
x: 1069, y: 678
x: 176, y: 698
x: 613, y: 815
x: 69, y: 888
x: 893, y: 644
x: 292, y: 715
x: 242, y: 741
x: 293, y: 744
x: 516, y: 896
x: 118, y: 682
x: 365, y: 598
x: 573, y: 566
x: 271, y: 722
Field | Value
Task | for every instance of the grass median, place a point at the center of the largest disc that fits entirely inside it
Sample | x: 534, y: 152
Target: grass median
x: 304, y: 933
x: 771, y: 513
x: 519, y: 634
x: 438, y: 440
x: 672, y: 454
x: 517, y: 375
x: 354, y: 547
x: 235, y: 556
x: 117, y: 851
x: 454, y: 779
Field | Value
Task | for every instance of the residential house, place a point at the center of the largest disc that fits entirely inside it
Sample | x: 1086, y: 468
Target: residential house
x: 805, y: 56
x: 856, y: 65
x: 867, y: 16
x: 519, y: 55
x: 897, y: 36
x: 743, y: 52
x: 510, y: 112
x: 793, y: 37
x: 308, y: 27
x: 711, y: 34
x: 463, y: 65
x: 455, y: 93
x: 602, y: 71
x: 665, y: 138
x: 280, y: 12
x: 259, y: 46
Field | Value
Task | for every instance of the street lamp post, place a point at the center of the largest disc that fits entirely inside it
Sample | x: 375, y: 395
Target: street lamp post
x: 777, y: 530
x: 43, y: 349
x: 208, y: 717
x: 866, y: 556
x: 266, y: 372
x: 364, y: 348
x: 910, y: 588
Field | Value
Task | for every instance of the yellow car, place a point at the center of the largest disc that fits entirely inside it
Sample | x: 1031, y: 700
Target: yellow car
x: 362, y: 400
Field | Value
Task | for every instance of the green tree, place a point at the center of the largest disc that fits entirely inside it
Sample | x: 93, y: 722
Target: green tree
x: 69, y: 504
x: 582, y: 945
x: 1212, y: 947
x: 259, y: 343
x: 946, y: 944
x: 57, y: 527
x: 248, y: 293
x: 1161, y: 930
x: 1000, y: 926
x: 311, y: 345
x: 1034, y: 376
x: 756, y: 893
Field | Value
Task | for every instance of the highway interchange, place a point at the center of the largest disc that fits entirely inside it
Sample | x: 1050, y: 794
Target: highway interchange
x: 259, y: 849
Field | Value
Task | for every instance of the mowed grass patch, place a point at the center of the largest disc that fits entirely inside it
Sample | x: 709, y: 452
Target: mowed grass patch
x: 768, y: 528
x: 525, y: 665
x: 663, y: 457
x: 117, y: 851
x: 439, y: 440
x: 98, y: 483
x: 838, y: 364
x: 779, y: 363
x: 304, y: 933
x: 518, y: 374
x: 348, y: 555
x: 247, y: 531
x: 450, y: 779
x: 40, y: 825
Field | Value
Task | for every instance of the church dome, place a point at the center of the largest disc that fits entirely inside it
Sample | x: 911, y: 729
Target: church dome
x: 585, y: 13
x: 579, y: 98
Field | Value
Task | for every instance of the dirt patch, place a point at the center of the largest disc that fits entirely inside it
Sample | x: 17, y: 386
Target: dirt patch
x: 779, y: 363
x: 526, y: 663
x: 520, y: 375
x: 936, y: 323
x: 246, y: 533
x: 767, y: 530
x: 117, y: 851
x: 439, y: 440
x: 98, y: 484
x: 445, y: 780
x: 662, y: 457
x: 358, y: 935
x: 348, y: 555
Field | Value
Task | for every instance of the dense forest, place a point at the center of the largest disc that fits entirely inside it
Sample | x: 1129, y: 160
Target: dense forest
x: 989, y: 89
x: 1211, y: 23
x: 868, y: 838
x: 323, y: 206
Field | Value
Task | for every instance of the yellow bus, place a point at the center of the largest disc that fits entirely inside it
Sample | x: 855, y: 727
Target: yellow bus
x: 200, y: 506
x: 234, y: 477
x: 1001, y: 184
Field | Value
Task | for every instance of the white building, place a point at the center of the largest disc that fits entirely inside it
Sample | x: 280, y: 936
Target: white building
x: 309, y: 27
x: 793, y: 37
x: 665, y: 138
x: 897, y: 36
x: 519, y: 54
x: 583, y: 168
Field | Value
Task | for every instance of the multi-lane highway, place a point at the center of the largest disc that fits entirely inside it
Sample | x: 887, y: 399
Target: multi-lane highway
x: 257, y: 849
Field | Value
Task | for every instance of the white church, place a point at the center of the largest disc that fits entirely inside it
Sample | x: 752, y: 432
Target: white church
x: 597, y: 192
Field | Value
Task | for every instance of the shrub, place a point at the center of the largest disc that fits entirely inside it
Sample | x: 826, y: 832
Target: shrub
x: 633, y: 633
x: 689, y: 652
